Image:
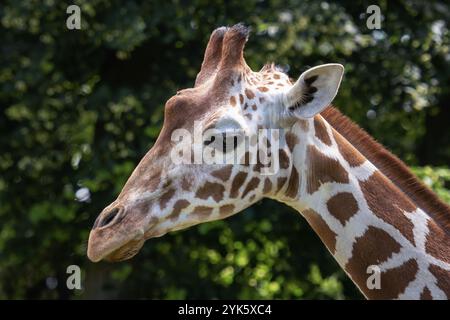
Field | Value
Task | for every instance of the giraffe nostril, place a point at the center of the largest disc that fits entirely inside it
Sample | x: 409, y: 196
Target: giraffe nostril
x: 107, y: 219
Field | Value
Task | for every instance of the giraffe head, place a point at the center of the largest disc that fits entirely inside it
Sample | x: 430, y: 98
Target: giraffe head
x: 224, y: 145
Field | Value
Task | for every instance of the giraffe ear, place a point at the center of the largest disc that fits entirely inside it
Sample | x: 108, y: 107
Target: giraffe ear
x: 314, y: 90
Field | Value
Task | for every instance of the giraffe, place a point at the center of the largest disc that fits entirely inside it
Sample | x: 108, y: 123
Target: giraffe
x: 365, y: 205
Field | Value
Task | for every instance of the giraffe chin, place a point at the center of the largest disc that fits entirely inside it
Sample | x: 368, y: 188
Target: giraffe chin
x: 131, y: 248
x: 126, y: 251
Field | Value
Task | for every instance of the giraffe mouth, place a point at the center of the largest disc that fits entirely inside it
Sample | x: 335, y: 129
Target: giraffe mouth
x: 131, y: 248
x: 125, y: 252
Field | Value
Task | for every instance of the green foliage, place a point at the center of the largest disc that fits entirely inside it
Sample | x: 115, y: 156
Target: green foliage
x: 437, y: 179
x: 80, y: 108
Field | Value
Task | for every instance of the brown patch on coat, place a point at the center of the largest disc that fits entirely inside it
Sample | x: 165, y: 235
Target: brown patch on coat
x: 283, y: 158
x: 267, y: 186
x: 226, y: 210
x: 323, y: 169
x: 426, y: 294
x: 291, y: 140
x: 223, y: 173
x: 211, y: 189
x: 241, y: 98
x: 387, y: 202
x: 292, y: 188
x: 233, y: 101
x: 280, y: 183
x: 263, y: 89
x: 186, y: 184
x: 342, y: 206
x: 165, y: 198
x: 442, y: 277
x: 249, y: 93
x: 324, y: 232
x: 202, y: 212
x: 257, y: 167
x: 251, y: 185
x: 177, y: 208
x: 321, y: 130
x: 374, y: 247
x: 238, y: 181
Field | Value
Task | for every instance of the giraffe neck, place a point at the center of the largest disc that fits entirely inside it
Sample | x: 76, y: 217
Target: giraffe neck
x: 388, y: 246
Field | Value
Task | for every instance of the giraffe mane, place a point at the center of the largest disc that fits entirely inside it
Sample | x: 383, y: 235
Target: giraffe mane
x: 272, y: 67
x: 390, y: 165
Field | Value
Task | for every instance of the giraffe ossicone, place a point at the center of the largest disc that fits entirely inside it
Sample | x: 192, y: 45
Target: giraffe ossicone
x: 365, y: 205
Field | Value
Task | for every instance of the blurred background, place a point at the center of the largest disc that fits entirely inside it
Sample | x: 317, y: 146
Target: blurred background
x: 79, y: 108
